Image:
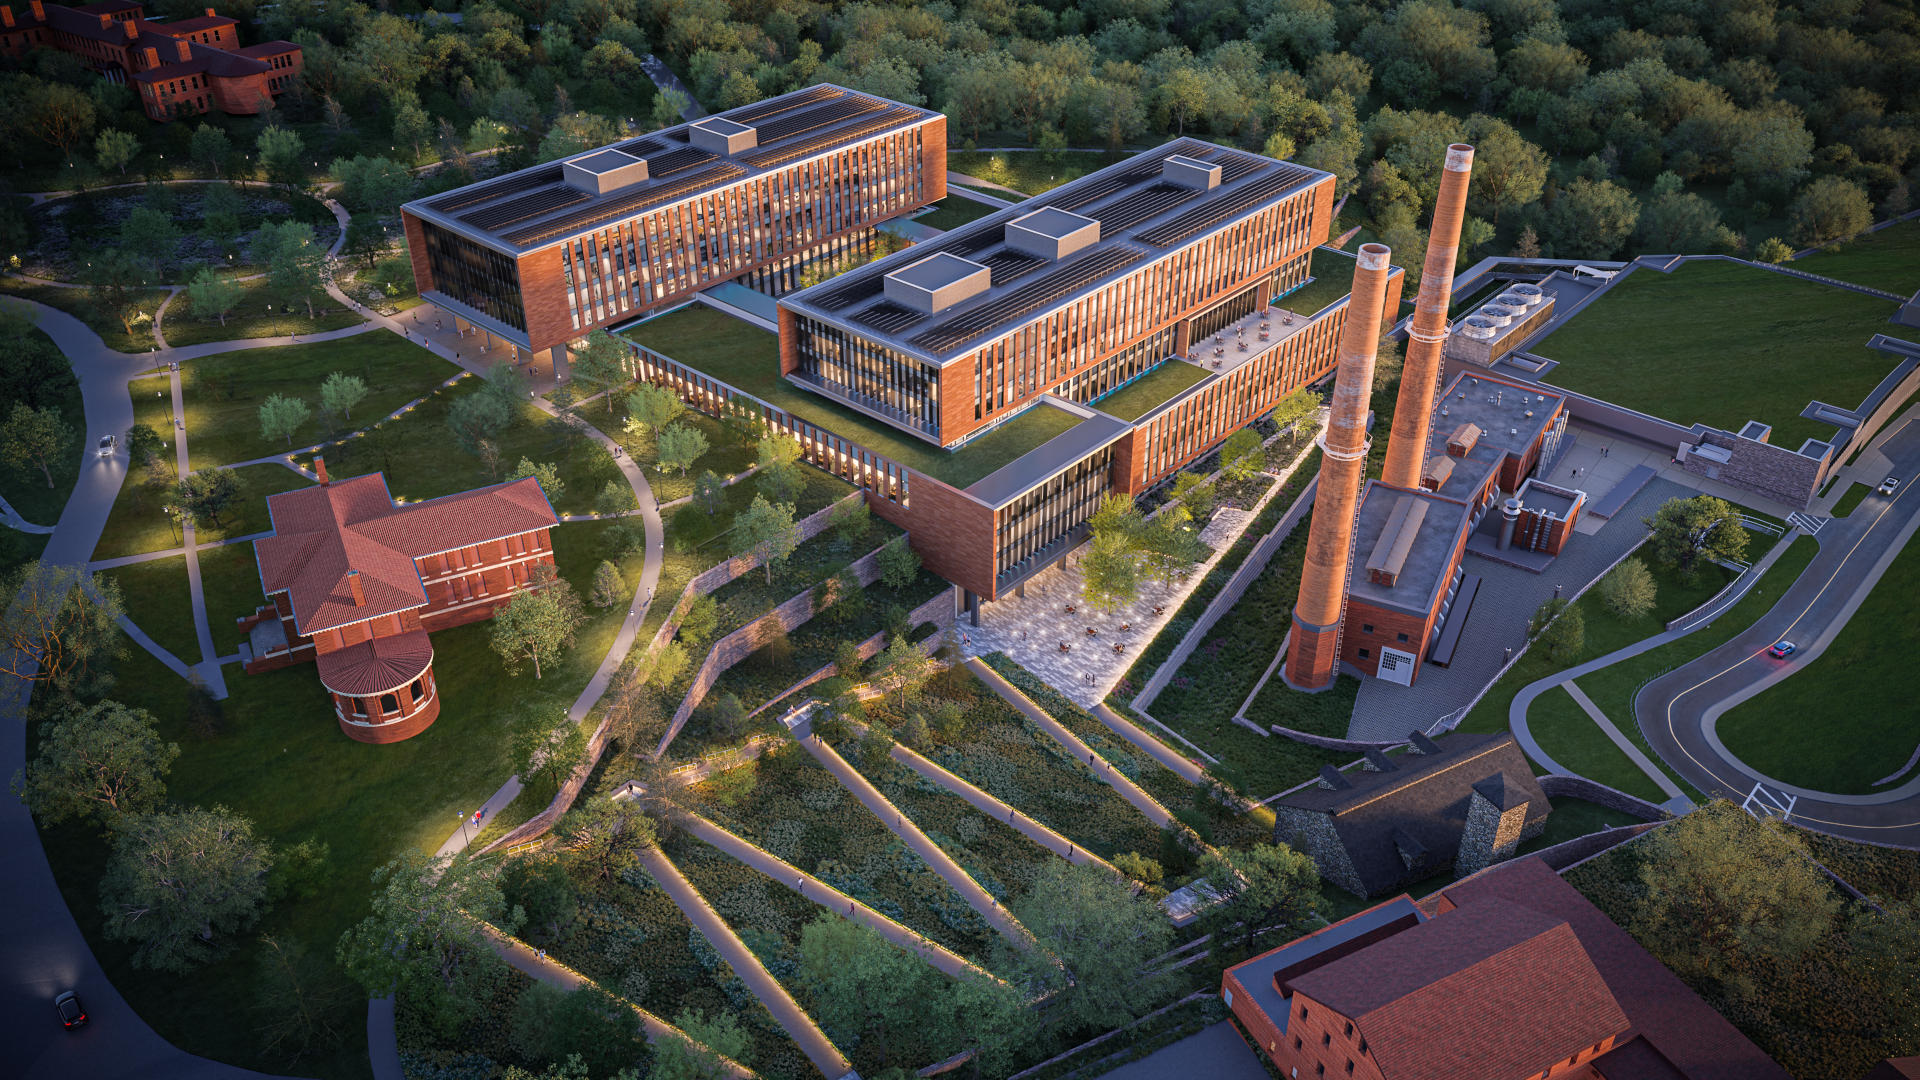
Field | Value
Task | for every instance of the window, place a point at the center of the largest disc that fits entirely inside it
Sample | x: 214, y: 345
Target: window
x: 419, y: 691
x: 1326, y: 1038
x: 1303, y: 1011
x: 1319, y: 1070
x: 1296, y: 1042
x: 389, y: 703
x: 1364, y: 653
x: 1349, y: 1032
x: 1349, y: 1066
x: 1403, y: 637
x: 1366, y: 628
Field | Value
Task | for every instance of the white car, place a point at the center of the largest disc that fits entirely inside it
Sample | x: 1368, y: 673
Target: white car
x: 1889, y: 485
x: 106, y: 445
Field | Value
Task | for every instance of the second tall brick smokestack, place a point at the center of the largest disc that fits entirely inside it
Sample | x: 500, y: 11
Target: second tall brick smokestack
x: 1312, y: 657
x: 1427, y: 333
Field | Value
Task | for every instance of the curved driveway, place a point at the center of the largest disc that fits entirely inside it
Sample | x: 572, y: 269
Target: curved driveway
x: 1678, y: 710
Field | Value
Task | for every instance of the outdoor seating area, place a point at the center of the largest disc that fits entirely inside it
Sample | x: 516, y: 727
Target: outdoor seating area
x: 1246, y: 338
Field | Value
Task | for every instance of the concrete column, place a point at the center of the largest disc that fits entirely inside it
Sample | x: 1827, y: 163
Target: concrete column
x: 1427, y: 333
x: 1311, y: 659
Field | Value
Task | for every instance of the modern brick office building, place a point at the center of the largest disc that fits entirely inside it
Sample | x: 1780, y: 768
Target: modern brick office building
x: 540, y: 257
x: 355, y: 581
x: 181, y: 67
x: 1116, y: 313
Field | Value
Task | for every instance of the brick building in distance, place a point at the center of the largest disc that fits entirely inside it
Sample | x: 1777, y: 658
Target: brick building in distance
x: 179, y: 68
x: 355, y: 581
x: 1508, y: 975
x: 541, y: 257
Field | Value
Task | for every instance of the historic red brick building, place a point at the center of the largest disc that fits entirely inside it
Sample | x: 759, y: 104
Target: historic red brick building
x: 180, y: 68
x: 355, y: 581
x: 1508, y: 975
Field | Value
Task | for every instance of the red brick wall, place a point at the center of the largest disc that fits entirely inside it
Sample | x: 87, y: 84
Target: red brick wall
x: 543, y: 294
x: 1266, y: 1034
x: 789, y: 347
x: 1387, y: 626
x: 413, y: 718
x: 934, y: 159
x: 956, y: 401
x: 417, y: 251
x: 953, y: 534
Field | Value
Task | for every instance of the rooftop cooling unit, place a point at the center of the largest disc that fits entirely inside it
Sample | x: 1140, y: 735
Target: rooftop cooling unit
x: 1516, y: 301
x: 1496, y: 314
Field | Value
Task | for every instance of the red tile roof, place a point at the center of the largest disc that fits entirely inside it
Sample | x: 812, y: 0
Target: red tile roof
x: 377, y: 665
x: 322, y: 532
x: 193, y: 25
x: 1494, y: 991
x: 1685, y: 1030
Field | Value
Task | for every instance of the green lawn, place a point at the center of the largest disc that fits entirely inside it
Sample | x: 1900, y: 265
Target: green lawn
x: 81, y: 304
x: 223, y: 393
x: 421, y: 460
x: 138, y: 522
x: 279, y: 758
x: 1850, y: 499
x: 955, y: 211
x: 1723, y: 343
x: 1332, y: 279
x: 1845, y: 749
x: 18, y: 548
x: 1030, y: 171
x: 25, y: 487
x: 1606, y: 632
x: 261, y: 312
x: 1888, y: 260
x: 158, y: 602
x: 230, y: 585
x: 1570, y: 737
x: 1150, y: 391
x: 748, y: 359
x: 1613, y: 687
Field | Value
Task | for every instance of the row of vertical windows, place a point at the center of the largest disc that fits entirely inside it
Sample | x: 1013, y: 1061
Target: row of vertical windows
x: 1039, y: 518
x: 721, y: 235
x: 1119, y: 369
x: 479, y: 277
x: 834, y: 255
x: 884, y: 379
x: 1032, y: 359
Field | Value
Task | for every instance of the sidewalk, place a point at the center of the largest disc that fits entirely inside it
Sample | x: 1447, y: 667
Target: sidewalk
x: 1654, y: 772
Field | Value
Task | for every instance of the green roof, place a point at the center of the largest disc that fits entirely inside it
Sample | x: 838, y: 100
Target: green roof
x: 1332, y: 279
x: 748, y: 358
x: 1148, y: 392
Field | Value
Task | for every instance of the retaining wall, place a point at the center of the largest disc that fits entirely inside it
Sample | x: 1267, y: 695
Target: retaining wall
x: 1558, y: 786
x: 1325, y: 742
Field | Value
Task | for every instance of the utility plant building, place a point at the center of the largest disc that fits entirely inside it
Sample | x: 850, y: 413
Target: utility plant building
x: 1111, y: 280
x: 540, y: 257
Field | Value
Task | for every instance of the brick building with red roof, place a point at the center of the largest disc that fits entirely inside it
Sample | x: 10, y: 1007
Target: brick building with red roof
x: 1508, y: 975
x: 356, y: 581
x: 179, y: 68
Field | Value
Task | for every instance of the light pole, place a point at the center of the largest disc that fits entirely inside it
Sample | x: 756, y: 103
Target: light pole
x: 464, y: 839
x: 171, y: 510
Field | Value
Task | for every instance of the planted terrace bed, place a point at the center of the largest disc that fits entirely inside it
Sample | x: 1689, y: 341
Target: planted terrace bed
x: 797, y: 810
x: 632, y: 939
x: 1151, y: 390
x: 750, y: 596
x: 999, y: 751
x: 1005, y: 862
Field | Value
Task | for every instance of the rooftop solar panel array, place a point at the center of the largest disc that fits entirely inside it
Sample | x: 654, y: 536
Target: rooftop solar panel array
x: 624, y: 203
x: 479, y: 193
x: 544, y: 201
x: 752, y: 114
x: 793, y: 151
x: 888, y: 318
x: 1150, y: 201
x: 1072, y: 275
x: 800, y: 121
x: 852, y: 292
x: 1223, y: 205
x: 677, y: 160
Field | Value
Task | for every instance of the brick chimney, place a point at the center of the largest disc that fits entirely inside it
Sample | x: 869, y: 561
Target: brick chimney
x: 153, y: 57
x: 186, y: 49
x: 209, y: 13
x: 132, y: 29
x: 105, y: 21
x: 39, y: 11
x: 320, y: 467
x: 353, y: 583
x: 6, y: 17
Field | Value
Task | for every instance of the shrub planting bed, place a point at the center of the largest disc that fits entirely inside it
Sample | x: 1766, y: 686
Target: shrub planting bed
x: 794, y: 808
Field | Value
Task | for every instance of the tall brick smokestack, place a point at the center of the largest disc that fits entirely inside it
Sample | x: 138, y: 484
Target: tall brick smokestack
x: 1420, y: 375
x: 1311, y: 658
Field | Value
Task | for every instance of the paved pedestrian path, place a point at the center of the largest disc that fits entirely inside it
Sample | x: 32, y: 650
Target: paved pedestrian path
x: 787, y: 1012
x: 525, y: 959
x: 1128, y: 790
x: 922, y: 845
x: 1654, y: 772
x: 168, y: 553
x: 1187, y: 768
x: 11, y: 519
x: 828, y: 897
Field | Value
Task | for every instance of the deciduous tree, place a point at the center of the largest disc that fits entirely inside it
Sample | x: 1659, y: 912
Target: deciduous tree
x: 421, y: 940
x: 609, y: 588
x: 204, y: 494
x: 766, y: 531
x: 115, y: 150
x: 35, y: 438
x: 210, y: 147
x: 1263, y: 888
x: 585, y: 1025
x: 340, y: 392
x: 899, y: 564
x: 710, y: 1039
x: 180, y: 883
x: 709, y: 490
x: 779, y: 473
x: 213, y: 295
x: 292, y: 257
x: 98, y: 763
x: 538, y: 623
x: 600, y: 365
x: 1093, y: 940
x: 650, y: 409
x: 679, y: 446
x: 544, y: 473
x: 61, y: 625
x: 544, y: 751
x: 606, y: 835
x: 478, y: 418
x: 1829, y: 211
x: 57, y: 114
x: 1629, y: 590
x: 281, y: 416
x: 1691, y: 533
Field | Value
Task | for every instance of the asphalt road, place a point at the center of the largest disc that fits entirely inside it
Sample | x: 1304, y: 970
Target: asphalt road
x: 1678, y: 711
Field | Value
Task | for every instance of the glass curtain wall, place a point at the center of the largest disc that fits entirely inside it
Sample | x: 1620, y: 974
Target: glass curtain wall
x: 1030, y: 524
x: 479, y: 277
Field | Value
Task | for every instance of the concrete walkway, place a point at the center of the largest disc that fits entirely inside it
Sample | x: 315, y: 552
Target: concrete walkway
x: 787, y: 1012
x: 1645, y: 764
x: 1128, y: 790
x: 1187, y: 768
x: 930, y: 853
x: 208, y: 669
x: 523, y: 958
x: 830, y: 898
x: 168, y: 553
x: 1217, y: 1053
x: 11, y: 519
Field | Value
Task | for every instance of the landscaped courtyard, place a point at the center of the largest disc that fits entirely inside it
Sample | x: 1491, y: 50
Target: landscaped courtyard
x: 1722, y: 343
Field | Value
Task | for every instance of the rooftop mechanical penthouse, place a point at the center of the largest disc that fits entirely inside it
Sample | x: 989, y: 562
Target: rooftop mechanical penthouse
x: 542, y: 256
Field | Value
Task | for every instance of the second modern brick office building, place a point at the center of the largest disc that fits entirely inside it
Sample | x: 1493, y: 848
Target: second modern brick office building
x: 988, y: 387
x: 540, y: 257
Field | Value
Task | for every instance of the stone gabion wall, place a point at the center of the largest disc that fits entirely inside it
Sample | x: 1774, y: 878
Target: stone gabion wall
x: 1491, y: 835
x: 711, y: 579
x: 1579, y: 787
x: 1769, y: 470
x: 740, y: 644
x: 1312, y: 833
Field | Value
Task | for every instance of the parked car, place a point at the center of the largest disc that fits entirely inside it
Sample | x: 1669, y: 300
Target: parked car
x: 106, y: 445
x: 1781, y: 649
x: 1889, y: 485
x: 67, y: 1005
